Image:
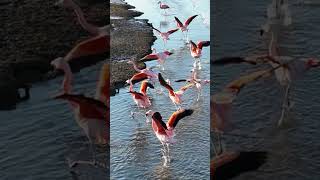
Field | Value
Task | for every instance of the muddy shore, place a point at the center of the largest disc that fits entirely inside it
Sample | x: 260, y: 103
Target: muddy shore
x: 35, y: 32
x: 131, y: 39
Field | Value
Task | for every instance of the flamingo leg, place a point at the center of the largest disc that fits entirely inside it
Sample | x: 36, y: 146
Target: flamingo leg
x: 285, y: 105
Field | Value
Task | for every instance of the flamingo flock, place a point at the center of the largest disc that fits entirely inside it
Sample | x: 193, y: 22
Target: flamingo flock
x: 153, y: 79
x: 91, y: 113
x: 285, y: 69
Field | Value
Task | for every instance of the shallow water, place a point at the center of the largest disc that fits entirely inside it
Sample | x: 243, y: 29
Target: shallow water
x: 293, y: 148
x: 135, y: 150
x: 41, y: 133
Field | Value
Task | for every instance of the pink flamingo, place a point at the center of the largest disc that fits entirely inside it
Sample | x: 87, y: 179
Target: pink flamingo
x: 196, y: 51
x: 175, y: 96
x: 184, y: 27
x: 91, y: 114
x: 141, y: 98
x: 146, y: 70
x: 163, y: 6
x: 165, y: 35
x: 161, y: 57
x: 165, y: 132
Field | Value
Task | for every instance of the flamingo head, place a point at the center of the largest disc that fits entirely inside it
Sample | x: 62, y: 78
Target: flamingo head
x: 148, y: 113
x: 313, y: 62
x: 58, y: 63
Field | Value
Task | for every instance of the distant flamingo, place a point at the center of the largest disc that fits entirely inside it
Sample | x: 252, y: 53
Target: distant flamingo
x: 141, y: 98
x: 196, y: 51
x: 165, y: 132
x: 175, y: 96
x: 165, y: 35
x: 91, y: 114
x: 184, y: 27
x: 163, y: 6
x: 160, y: 56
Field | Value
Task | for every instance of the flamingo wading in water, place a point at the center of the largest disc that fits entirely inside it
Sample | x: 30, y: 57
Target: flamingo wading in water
x: 165, y: 131
x: 163, y: 6
x: 90, y: 114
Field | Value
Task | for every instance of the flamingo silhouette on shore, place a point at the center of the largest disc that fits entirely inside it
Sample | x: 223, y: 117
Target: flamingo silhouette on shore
x: 90, y: 114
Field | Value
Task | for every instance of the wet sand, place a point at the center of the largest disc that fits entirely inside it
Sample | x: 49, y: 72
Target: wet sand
x: 130, y: 39
x: 33, y: 33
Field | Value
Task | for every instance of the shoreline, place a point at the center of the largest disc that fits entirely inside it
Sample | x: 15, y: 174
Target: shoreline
x: 131, y: 39
x: 33, y: 34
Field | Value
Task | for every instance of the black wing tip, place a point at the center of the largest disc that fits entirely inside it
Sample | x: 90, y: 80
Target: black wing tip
x: 188, y: 112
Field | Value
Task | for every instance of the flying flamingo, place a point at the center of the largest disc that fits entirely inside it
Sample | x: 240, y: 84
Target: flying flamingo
x: 160, y: 56
x: 165, y: 131
x: 163, y: 6
x: 165, y: 35
x: 184, y: 27
x: 91, y: 114
x: 140, y: 76
x: 146, y: 70
x: 175, y: 96
x: 141, y: 98
x: 196, y: 51
x: 196, y: 81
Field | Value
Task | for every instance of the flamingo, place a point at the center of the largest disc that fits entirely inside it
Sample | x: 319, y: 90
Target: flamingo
x: 98, y: 44
x: 163, y: 6
x: 184, y: 27
x: 196, y: 81
x: 92, y: 29
x: 90, y: 114
x: 196, y: 51
x: 165, y: 35
x: 175, y: 96
x: 165, y: 131
x: 146, y: 70
x: 160, y: 57
x: 140, y: 76
x: 141, y: 98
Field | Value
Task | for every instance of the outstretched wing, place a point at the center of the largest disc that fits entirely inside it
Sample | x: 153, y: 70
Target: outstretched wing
x: 176, y: 116
x: 149, y: 57
x: 164, y: 83
x: 179, y: 23
x: 202, y: 44
x: 172, y: 31
x: 188, y: 21
x: 193, y: 45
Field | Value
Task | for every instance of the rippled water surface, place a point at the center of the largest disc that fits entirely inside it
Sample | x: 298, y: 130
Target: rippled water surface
x: 294, y: 148
x: 41, y: 133
x: 135, y: 150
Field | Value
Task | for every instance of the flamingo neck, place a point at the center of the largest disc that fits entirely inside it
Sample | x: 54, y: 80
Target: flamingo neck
x: 67, y: 81
x: 94, y: 30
